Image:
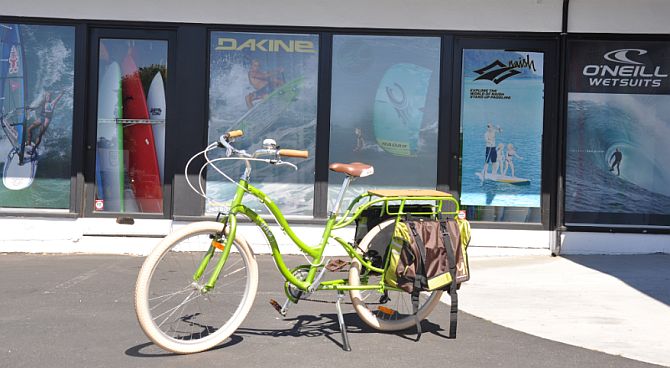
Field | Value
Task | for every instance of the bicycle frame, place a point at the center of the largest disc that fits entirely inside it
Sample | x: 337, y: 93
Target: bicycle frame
x: 315, y: 252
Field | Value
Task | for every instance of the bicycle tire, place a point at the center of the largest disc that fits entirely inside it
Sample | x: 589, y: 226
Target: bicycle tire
x: 396, y: 313
x: 199, y: 321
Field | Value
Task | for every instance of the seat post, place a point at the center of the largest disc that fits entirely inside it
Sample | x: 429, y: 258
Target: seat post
x: 340, y: 197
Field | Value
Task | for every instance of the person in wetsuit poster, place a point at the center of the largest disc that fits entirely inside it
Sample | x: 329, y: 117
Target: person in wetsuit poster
x: 615, y: 159
x: 264, y: 82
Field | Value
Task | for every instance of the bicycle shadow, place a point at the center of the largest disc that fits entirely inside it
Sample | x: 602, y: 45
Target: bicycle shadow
x: 304, y: 326
x: 151, y: 350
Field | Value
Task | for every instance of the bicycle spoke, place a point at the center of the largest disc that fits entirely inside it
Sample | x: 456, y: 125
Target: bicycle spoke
x: 174, y: 309
x: 170, y: 295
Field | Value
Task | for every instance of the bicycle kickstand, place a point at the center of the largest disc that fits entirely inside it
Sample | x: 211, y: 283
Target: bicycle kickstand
x: 340, y: 318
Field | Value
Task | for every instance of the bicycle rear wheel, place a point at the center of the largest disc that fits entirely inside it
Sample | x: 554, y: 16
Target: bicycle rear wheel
x: 391, y: 311
x: 173, y: 309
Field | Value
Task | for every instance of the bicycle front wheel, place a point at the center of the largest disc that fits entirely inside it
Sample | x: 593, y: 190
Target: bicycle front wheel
x: 392, y: 310
x: 174, y: 309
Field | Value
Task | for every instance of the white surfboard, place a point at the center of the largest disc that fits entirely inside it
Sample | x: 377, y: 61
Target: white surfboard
x: 110, y: 139
x: 156, y: 106
x: 18, y: 177
x: 504, y: 179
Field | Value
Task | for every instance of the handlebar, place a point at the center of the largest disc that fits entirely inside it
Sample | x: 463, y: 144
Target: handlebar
x: 293, y: 153
x: 234, y: 134
x: 270, y: 150
x: 270, y: 147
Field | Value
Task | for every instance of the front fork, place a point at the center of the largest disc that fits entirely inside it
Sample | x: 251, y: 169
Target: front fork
x: 229, y: 222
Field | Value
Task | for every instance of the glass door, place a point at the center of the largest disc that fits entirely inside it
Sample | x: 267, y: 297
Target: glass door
x: 130, y: 123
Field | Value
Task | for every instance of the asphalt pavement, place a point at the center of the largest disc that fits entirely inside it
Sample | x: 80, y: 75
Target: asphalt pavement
x: 77, y: 311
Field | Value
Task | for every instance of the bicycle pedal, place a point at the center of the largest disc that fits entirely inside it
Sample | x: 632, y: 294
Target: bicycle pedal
x: 277, y: 307
x: 336, y: 265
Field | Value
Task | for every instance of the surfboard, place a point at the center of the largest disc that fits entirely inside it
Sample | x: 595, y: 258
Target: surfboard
x: 398, y: 108
x: 138, y: 140
x: 19, y: 169
x: 156, y: 105
x: 109, y: 159
x: 504, y: 179
x: 264, y: 113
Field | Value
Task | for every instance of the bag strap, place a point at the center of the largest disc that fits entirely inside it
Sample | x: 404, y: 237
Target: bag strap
x: 416, y: 291
x: 453, y: 316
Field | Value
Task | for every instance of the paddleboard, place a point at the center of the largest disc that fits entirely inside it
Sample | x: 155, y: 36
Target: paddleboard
x: 156, y: 105
x: 109, y: 159
x: 504, y: 179
x: 138, y: 140
x: 398, y: 108
x: 264, y: 113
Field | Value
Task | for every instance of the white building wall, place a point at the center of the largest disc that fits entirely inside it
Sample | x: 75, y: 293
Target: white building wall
x: 619, y: 16
x: 508, y: 15
x: 597, y: 16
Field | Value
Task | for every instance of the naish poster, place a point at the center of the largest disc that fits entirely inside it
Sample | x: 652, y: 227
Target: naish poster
x: 502, y: 118
x: 265, y: 84
x: 617, y: 129
x: 36, y: 82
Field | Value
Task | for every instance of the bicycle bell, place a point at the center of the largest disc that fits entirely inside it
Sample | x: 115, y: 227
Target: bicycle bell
x: 269, y: 143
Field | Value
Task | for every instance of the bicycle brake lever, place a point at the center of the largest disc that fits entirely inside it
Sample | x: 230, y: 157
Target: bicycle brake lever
x: 280, y: 163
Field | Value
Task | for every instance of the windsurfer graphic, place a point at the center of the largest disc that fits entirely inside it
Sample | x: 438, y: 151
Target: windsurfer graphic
x: 263, y: 82
x: 44, y: 111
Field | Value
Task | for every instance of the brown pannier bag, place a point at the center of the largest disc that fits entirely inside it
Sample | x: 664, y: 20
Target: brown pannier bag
x: 431, y: 257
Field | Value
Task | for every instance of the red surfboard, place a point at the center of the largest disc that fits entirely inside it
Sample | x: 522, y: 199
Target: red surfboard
x: 138, y: 139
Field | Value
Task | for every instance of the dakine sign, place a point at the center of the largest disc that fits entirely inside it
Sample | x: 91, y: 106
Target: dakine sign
x: 619, y: 67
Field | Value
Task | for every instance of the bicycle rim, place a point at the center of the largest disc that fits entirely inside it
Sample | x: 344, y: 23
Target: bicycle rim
x: 390, y: 310
x: 171, y: 307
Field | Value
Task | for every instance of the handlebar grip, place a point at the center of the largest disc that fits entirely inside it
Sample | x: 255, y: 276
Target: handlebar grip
x: 293, y: 153
x: 234, y: 134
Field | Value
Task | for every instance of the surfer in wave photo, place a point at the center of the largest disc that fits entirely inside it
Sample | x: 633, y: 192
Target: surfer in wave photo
x: 616, y: 161
x: 264, y: 82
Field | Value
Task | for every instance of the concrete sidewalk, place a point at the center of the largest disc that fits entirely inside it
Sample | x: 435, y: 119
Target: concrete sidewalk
x: 619, y: 305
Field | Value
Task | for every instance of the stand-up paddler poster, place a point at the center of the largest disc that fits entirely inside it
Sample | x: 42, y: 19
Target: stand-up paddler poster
x: 502, y: 108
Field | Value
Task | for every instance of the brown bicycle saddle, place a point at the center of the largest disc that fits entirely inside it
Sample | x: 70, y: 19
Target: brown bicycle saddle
x: 357, y: 169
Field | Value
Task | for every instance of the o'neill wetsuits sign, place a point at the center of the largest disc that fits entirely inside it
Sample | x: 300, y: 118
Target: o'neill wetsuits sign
x: 617, y: 170
x: 616, y: 67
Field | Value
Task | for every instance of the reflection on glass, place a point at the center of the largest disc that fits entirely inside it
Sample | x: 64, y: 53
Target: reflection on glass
x: 265, y: 85
x: 384, y: 110
x: 36, y: 83
x: 131, y: 126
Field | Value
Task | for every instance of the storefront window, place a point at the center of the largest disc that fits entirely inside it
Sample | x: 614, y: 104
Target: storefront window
x: 265, y: 85
x: 617, y: 170
x: 384, y: 110
x: 131, y: 126
x: 502, y: 105
x: 36, y: 83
